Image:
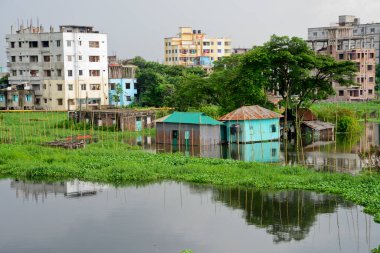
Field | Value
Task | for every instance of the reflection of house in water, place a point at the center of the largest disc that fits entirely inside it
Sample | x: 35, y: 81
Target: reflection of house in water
x: 73, y: 188
x: 211, y: 151
x: 317, y: 131
x: 253, y: 152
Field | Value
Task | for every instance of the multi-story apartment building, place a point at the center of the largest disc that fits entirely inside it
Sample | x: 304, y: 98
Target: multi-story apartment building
x: 340, y: 42
x: 67, y: 70
x: 361, y: 36
x: 193, y: 48
x: 123, y: 76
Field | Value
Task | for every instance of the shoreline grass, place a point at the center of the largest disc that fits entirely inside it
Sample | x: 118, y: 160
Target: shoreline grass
x: 122, y: 164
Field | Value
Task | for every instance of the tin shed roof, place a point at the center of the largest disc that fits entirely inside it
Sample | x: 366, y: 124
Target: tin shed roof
x: 197, y: 118
x: 249, y: 113
x: 318, y: 125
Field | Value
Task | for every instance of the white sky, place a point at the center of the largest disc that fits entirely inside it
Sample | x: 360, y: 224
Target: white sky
x: 137, y: 27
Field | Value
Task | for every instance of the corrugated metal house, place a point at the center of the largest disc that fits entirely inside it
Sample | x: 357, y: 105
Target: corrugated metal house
x: 188, y: 128
x: 318, y: 130
x: 249, y: 124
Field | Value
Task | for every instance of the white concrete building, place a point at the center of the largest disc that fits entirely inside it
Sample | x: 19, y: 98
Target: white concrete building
x: 67, y: 69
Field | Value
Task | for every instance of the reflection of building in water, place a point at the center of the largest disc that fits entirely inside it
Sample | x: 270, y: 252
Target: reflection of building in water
x: 73, y: 188
x: 253, y: 152
x: 212, y: 151
x: 144, y: 141
x: 370, y: 137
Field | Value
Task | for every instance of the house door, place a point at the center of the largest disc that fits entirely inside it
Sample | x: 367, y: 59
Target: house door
x: 175, y: 137
x: 138, y: 124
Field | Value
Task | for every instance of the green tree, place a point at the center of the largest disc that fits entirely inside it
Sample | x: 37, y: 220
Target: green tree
x: 301, y: 77
x: 118, y: 92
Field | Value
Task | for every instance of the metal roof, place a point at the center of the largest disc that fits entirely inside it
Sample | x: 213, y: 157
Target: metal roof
x: 318, y: 125
x: 197, y: 118
x: 250, y: 113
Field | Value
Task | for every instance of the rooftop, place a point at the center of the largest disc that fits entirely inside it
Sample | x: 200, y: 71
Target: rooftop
x: 197, y: 118
x: 249, y: 113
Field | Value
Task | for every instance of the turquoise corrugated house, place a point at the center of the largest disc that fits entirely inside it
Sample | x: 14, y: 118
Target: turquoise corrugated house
x: 249, y: 124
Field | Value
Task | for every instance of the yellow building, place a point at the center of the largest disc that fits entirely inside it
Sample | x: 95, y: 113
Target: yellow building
x: 193, y: 48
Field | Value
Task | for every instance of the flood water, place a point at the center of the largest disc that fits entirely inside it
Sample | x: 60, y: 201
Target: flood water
x: 340, y: 155
x: 169, y: 217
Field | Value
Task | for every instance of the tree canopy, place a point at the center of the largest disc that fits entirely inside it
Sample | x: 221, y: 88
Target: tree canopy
x: 283, y: 65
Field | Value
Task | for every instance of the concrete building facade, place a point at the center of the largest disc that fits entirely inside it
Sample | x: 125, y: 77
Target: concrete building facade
x: 343, y: 42
x: 123, y: 76
x: 360, y: 35
x: 193, y: 48
x: 67, y: 70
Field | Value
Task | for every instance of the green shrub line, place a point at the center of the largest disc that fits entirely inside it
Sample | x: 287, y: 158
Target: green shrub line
x: 123, y: 164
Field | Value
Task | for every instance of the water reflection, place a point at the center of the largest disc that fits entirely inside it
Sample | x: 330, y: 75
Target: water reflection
x: 168, y: 217
x: 39, y: 191
x: 340, y: 155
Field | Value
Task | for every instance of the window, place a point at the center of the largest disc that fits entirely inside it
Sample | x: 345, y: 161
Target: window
x: 372, y: 30
x: 59, y: 72
x: 33, y: 44
x: 58, y: 43
x: 69, y: 72
x: 70, y: 87
x: 112, y: 86
x: 33, y: 58
x: 219, y: 43
x: 45, y: 100
x: 34, y: 73
x: 93, y: 58
x: 127, y: 85
x: 274, y: 152
x: 369, y: 67
x: 59, y: 87
x: 2, y: 98
x: 370, y: 92
x: 58, y: 57
x: 94, y: 86
x: 28, y: 98
x: 12, y: 44
x: 94, y: 72
x: 14, y: 72
x: 46, y: 58
x: 20, y: 72
x: 315, y: 34
x: 371, y: 79
x: 15, y: 98
x: 68, y: 43
x: 371, y: 55
x: 20, y: 58
x: 128, y: 98
x: 45, y: 43
x: 341, y: 56
x: 13, y: 58
x: 273, y: 128
x: 69, y: 58
x: 36, y: 86
x: 79, y: 57
x: 83, y: 86
x: 81, y: 72
x: 93, y: 44
x: 60, y: 101
x: 47, y: 72
x: 219, y: 50
x: 341, y: 93
x: 80, y: 43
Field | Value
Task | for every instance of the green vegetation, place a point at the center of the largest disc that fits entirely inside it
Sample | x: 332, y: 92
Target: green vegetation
x: 120, y: 164
x: 285, y: 65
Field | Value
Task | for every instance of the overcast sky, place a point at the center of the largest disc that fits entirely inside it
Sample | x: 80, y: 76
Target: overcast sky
x: 137, y: 27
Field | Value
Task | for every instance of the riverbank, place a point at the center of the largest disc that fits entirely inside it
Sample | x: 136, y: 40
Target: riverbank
x: 122, y: 164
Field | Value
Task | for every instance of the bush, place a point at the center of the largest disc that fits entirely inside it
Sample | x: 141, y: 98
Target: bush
x: 348, y: 124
